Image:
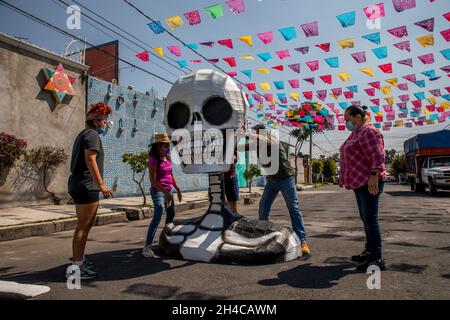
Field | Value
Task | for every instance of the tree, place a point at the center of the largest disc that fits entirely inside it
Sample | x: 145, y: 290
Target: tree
x: 390, y: 154
x: 399, y: 165
x: 11, y: 149
x: 300, y: 135
x: 252, y: 172
x: 317, y: 168
x: 329, y: 169
x: 336, y: 157
x: 138, y: 164
x: 46, y: 159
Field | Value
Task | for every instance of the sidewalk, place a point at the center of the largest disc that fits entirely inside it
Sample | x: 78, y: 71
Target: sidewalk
x: 22, y: 222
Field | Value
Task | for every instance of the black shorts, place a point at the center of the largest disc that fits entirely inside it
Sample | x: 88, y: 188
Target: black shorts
x: 232, y: 189
x: 85, y: 197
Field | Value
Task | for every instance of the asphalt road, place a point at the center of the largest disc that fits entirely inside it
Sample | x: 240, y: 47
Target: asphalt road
x: 416, y: 234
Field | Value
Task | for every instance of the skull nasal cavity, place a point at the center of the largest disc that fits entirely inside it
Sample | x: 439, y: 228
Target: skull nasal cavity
x: 178, y: 115
x: 217, y: 111
x: 196, y: 117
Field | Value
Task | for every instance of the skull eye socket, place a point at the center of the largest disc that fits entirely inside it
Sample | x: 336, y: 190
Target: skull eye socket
x: 178, y: 115
x: 217, y: 111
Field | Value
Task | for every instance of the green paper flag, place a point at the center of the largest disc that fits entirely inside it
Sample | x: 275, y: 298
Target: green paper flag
x: 214, y: 11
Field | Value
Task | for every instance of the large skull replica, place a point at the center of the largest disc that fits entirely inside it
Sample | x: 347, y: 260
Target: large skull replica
x: 213, y: 100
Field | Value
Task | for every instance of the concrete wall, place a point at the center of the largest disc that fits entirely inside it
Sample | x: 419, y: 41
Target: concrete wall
x: 149, y: 116
x: 30, y: 113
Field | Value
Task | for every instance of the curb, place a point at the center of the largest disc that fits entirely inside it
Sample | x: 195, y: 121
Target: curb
x: 120, y: 215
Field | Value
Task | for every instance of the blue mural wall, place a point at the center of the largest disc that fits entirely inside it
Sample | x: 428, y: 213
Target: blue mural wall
x: 138, y: 111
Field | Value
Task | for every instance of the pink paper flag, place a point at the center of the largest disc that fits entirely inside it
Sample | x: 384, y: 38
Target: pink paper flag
x: 403, y: 46
x: 266, y: 37
x: 175, y: 50
x: 322, y: 94
x: 448, y: 89
x: 446, y: 69
x: 196, y: 61
x: 302, y: 50
x: 207, y: 44
x: 231, y: 61
x: 143, y: 56
x: 427, y: 24
x: 336, y: 92
x: 295, y: 67
x: 417, y: 103
x: 375, y: 11
x: 213, y: 61
x: 232, y: 74
x: 375, y: 101
x: 446, y: 34
x: 324, y: 46
x: 427, y: 58
x: 295, y: 84
x: 308, y: 95
x: 406, y: 62
x: 436, y: 92
x: 404, y: 97
x: 359, y: 57
x: 279, y: 68
x: 236, y: 6
x: 283, y: 54
x: 310, y: 29
x: 326, y: 78
x: 310, y: 80
x: 386, y: 68
x: 193, y: 17
x: 402, y: 105
x: 226, y: 42
x: 399, y: 32
x: 348, y: 94
x: 257, y: 97
x: 410, y: 77
x: 447, y: 16
x: 313, y: 65
x: 375, y: 85
x: 401, y: 5
x: 370, y: 92
x: 403, y: 86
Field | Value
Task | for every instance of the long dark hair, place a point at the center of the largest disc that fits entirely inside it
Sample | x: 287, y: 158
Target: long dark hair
x: 354, y: 110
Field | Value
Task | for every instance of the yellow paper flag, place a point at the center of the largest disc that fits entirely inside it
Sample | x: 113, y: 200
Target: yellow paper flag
x: 445, y: 105
x: 426, y: 41
x: 386, y: 89
x: 430, y: 121
x: 432, y: 100
x: 160, y: 51
x: 265, y: 86
x: 399, y: 123
x: 389, y: 100
x: 290, y: 113
x: 247, y: 40
x: 263, y: 70
x: 393, y: 81
x: 248, y: 57
x: 368, y: 71
x: 174, y: 22
x: 344, y: 76
x: 379, y: 113
x: 426, y: 112
x: 260, y: 106
x: 348, y: 43
x: 295, y: 96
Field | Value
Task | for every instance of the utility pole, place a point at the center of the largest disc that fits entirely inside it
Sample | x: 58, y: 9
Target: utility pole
x: 310, y: 175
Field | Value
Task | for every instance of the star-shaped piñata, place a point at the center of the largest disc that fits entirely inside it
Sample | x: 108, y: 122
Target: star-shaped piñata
x: 59, y: 83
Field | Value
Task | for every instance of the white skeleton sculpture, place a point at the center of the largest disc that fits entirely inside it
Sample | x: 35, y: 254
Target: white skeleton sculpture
x: 199, y: 108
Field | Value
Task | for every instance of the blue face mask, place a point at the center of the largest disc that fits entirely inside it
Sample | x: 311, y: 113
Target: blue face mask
x: 350, y: 126
x: 101, y: 130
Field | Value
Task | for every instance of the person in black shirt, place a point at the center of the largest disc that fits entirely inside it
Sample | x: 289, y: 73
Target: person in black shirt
x: 86, y: 182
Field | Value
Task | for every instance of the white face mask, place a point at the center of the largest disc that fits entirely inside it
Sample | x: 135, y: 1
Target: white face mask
x: 350, y: 126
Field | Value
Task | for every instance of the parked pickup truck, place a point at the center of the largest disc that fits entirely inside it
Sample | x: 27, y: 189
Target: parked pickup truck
x: 428, y: 161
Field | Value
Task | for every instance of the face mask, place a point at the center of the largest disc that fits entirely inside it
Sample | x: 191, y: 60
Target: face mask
x: 101, y: 130
x: 350, y: 126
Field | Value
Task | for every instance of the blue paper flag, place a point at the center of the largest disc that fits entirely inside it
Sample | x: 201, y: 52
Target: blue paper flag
x: 288, y: 33
x: 343, y: 105
x: 266, y: 56
x: 446, y: 53
x: 434, y: 116
x: 281, y: 96
x: 373, y: 37
x: 333, y: 62
x: 377, y: 125
x: 248, y: 73
x: 430, y: 73
x: 405, y: 111
x: 347, y: 19
x: 375, y: 109
x: 324, y: 112
x: 380, y: 52
x: 156, y: 27
x: 446, y: 97
x: 353, y: 88
x: 420, y: 83
x: 182, y: 63
x: 414, y: 114
x: 279, y: 85
x: 192, y: 46
x: 420, y: 95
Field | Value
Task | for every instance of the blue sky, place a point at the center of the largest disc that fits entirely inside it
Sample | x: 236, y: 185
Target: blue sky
x: 260, y: 16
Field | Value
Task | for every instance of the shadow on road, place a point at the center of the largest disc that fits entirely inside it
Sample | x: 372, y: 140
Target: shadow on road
x: 417, y: 195
x: 111, y: 266
x: 308, y: 276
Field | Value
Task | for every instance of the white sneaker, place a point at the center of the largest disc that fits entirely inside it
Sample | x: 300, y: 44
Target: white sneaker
x: 148, y: 252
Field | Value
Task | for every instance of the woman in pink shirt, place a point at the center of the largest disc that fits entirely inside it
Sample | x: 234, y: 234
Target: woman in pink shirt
x: 362, y: 169
x: 163, y: 186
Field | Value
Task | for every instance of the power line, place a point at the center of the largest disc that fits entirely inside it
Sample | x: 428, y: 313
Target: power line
x: 51, y: 26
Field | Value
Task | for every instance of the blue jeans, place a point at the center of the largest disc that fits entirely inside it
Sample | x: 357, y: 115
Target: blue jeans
x: 368, y: 206
x: 289, y: 192
x: 158, y: 208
